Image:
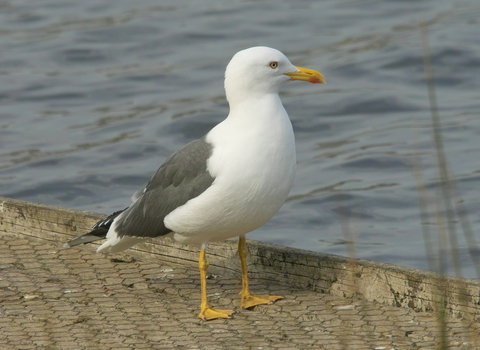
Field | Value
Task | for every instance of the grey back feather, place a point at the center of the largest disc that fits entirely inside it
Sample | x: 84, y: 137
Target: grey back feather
x: 183, y: 176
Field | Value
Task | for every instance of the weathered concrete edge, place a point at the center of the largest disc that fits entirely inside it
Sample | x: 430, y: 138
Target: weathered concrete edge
x: 375, y: 282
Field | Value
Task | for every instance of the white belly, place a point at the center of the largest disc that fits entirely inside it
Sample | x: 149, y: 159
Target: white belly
x: 253, y: 174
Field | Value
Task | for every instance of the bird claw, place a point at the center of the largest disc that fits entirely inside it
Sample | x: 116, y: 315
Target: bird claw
x: 249, y: 300
x: 208, y: 314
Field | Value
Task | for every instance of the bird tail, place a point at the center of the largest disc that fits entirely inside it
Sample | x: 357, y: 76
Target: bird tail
x: 99, y: 231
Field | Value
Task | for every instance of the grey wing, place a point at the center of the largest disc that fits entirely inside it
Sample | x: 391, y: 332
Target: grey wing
x: 183, y: 176
x: 138, y: 194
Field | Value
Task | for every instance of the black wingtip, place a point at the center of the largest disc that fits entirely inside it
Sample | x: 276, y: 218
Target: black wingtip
x: 95, y: 235
x: 99, y: 231
x: 107, y: 222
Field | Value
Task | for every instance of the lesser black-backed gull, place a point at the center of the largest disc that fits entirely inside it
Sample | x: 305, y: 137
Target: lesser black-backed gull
x: 226, y: 184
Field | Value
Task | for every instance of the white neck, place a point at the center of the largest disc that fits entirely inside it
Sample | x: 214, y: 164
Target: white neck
x: 261, y: 126
x: 258, y: 109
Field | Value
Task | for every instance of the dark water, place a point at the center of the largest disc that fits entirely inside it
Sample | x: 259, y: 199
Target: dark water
x: 94, y: 95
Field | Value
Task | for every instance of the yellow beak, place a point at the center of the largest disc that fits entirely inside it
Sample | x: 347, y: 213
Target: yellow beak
x: 306, y: 74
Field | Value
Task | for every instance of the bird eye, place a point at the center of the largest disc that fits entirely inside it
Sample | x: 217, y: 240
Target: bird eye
x: 273, y: 65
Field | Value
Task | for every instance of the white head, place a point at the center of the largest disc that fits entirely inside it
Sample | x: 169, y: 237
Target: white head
x: 262, y: 70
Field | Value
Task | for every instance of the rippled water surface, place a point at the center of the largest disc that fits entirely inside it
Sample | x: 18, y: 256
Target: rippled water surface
x: 94, y: 95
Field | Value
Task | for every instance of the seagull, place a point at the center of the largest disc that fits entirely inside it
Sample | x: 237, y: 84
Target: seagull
x: 228, y: 183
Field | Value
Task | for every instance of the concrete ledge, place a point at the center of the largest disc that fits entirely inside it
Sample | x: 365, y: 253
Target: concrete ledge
x: 339, y: 276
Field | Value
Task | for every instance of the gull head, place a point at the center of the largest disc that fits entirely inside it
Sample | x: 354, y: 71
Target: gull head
x: 262, y: 70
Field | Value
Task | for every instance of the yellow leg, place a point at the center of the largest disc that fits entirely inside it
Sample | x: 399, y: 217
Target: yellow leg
x: 206, y: 313
x: 249, y: 300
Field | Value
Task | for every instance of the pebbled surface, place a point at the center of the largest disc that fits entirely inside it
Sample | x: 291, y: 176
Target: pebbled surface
x: 53, y: 298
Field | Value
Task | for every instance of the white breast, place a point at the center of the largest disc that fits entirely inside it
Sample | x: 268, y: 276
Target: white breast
x: 253, y: 163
